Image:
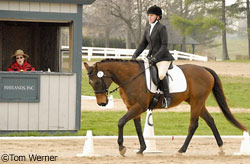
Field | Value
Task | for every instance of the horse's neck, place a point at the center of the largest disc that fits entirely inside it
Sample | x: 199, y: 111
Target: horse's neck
x: 123, y: 71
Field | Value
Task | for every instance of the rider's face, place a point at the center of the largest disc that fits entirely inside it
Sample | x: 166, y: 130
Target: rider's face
x: 152, y: 18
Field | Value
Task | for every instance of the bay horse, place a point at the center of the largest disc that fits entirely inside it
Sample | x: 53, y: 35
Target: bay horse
x: 129, y: 76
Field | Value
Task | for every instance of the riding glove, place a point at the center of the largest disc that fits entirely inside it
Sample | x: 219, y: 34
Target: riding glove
x: 152, y: 60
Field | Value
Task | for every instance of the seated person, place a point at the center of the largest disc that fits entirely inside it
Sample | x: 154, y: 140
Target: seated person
x: 20, y: 63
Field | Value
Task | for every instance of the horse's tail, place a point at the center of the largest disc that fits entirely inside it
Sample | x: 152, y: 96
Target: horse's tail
x: 221, y: 100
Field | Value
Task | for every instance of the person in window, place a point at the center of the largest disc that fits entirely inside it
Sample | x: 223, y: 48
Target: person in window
x: 156, y: 37
x: 20, y: 63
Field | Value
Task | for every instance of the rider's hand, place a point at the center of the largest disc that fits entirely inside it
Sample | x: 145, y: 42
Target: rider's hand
x: 152, y: 60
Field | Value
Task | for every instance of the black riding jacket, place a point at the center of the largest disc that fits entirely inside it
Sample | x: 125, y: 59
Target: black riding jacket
x: 157, y: 43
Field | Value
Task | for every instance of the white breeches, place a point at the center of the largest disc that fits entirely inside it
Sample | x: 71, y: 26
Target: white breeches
x: 162, y: 67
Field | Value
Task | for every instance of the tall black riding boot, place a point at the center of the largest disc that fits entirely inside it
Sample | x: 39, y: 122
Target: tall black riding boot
x: 165, y: 88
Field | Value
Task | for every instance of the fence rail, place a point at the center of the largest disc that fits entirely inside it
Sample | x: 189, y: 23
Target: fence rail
x: 162, y: 137
x: 100, y: 53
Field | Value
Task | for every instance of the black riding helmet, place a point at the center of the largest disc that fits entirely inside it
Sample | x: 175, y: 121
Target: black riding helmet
x: 155, y: 10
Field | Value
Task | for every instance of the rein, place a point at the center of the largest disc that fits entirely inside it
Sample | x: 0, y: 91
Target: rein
x: 114, y: 90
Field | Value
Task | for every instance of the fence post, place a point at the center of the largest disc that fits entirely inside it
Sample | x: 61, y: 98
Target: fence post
x: 117, y: 54
x: 89, y: 54
x: 191, y: 57
x: 105, y: 52
x: 175, y: 55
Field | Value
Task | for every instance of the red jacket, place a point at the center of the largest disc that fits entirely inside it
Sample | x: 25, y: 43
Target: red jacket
x: 16, y: 67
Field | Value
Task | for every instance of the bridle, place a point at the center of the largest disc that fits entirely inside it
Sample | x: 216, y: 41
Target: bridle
x: 101, y: 75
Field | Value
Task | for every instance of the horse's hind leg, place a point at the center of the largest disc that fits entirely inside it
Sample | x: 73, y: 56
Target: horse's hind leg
x: 137, y: 123
x: 210, y: 122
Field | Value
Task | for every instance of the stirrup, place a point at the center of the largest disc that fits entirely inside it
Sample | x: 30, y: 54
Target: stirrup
x: 166, y: 102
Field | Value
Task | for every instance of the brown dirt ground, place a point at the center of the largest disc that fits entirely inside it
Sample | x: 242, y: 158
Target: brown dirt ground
x: 199, y: 151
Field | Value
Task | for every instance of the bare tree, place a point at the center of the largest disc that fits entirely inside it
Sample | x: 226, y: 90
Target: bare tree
x: 131, y: 15
x: 248, y: 27
x: 124, y: 10
x: 224, y: 33
x: 99, y: 16
x: 241, y: 9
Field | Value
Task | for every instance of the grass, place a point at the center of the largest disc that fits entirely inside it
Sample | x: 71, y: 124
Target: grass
x: 235, y: 46
x: 237, y: 91
x: 165, y: 123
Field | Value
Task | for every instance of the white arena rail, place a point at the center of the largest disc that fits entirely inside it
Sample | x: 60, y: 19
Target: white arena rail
x: 102, y: 53
x: 115, y: 137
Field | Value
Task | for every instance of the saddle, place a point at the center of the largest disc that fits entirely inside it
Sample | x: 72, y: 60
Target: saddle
x: 176, y: 77
x: 154, y: 74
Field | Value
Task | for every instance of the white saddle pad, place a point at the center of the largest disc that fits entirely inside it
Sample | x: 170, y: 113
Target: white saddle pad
x: 177, y: 80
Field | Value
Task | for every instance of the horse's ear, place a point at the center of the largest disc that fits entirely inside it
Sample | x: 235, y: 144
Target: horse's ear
x: 86, y: 65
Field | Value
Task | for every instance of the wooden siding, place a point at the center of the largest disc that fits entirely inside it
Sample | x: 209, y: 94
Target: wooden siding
x: 38, y: 6
x: 55, y: 111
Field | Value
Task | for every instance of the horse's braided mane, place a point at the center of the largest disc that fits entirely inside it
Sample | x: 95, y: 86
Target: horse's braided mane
x: 117, y: 60
x: 140, y: 62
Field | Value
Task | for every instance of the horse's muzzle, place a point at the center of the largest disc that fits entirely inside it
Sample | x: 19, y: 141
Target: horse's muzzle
x: 104, y: 104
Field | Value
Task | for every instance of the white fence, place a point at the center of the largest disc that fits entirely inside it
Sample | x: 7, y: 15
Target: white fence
x: 115, y: 137
x: 100, y: 53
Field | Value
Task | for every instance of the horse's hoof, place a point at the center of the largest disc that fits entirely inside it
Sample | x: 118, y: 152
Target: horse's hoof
x: 181, y: 151
x: 139, y: 152
x: 178, y: 154
x: 221, y: 152
x: 122, y: 150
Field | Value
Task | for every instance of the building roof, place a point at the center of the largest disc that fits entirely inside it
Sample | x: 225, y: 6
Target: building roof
x: 82, y: 2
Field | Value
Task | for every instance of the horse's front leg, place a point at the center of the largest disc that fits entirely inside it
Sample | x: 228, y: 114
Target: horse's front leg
x: 128, y: 116
x: 137, y: 123
x: 121, y: 124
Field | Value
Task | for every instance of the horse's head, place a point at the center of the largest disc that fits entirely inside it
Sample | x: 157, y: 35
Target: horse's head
x: 100, y: 80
